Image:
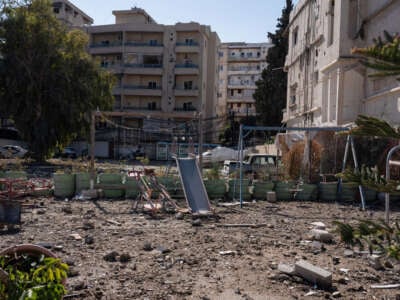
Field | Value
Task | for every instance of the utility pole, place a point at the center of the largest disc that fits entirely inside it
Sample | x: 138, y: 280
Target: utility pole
x: 200, y: 129
x: 92, y: 142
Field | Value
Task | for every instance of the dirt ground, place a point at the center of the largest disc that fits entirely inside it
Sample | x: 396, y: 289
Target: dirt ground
x: 118, y: 254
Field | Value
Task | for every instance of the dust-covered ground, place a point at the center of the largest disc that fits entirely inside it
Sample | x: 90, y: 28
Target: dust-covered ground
x: 119, y: 254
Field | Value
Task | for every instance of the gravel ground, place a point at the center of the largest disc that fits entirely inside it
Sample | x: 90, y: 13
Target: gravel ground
x: 118, y: 254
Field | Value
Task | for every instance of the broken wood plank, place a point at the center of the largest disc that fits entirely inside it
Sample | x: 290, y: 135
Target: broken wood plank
x: 113, y: 222
x: 385, y: 286
x: 242, y: 225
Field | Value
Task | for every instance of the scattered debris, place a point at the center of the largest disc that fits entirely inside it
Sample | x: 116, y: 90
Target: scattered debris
x: 385, y: 286
x: 76, y: 236
x: 321, y: 235
x: 228, y: 252
x: 286, y: 269
x: 243, y: 225
x: 313, y: 274
x: 111, y: 257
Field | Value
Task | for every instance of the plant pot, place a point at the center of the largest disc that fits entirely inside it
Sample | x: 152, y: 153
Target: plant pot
x: 309, y: 192
x: 327, y: 191
x: 16, y: 174
x: 64, y: 185
x: 216, y: 188
x: 348, y: 191
x: 110, y: 179
x: 234, y: 190
x: 261, y: 188
x: 282, y: 190
x: 82, y: 182
x: 132, y: 189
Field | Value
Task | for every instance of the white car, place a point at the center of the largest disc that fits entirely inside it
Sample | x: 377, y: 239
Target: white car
x: 12, y: 151
x: 220, y: 154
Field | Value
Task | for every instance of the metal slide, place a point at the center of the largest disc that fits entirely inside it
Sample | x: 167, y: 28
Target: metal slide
x: 193, y: 185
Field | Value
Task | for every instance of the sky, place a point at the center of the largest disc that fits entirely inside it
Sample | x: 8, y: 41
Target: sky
x: 233, y: 20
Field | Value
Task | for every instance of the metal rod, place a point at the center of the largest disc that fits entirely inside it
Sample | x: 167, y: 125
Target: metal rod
x: 241, y: 162
x: 387, y: 195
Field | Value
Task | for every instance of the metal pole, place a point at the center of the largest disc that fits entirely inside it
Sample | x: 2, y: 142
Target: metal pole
x: 387, y: 195
x: 92, y: 142
x: 200, y: 144
x: 241, y: 162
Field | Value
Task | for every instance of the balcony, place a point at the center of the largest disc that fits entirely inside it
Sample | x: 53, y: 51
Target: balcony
x: 140, y: 108
x: 242, y: 85
x: 187, y: 47
x: 186, y: 69
x: 144, y: 47
x: 244, y: 112
x: 243, y: 70
x: 139, y: 90
x: 105, y: 47
x: 143, y: 69
x: 245, y: 58
x: 186, y: 92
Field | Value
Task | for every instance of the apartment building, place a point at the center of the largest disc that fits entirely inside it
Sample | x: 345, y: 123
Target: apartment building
x: 240, y: 66
x: 327, y: 86
x: 166, y: 72
x: 70, y: 15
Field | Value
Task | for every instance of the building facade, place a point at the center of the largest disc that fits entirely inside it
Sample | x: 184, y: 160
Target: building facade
x: 166, y: 72
x: 327, y: 86
x: 70, y: 15
x: 240, y: 66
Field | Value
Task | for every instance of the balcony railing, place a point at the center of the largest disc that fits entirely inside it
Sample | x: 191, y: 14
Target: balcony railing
x: 193, y: 44
x: 186, y: 89
x: 139, y: 87
x: 143, y: 65
x: 185, y: 108
x: 140, y: 108
x: 187, y: 65
x: 243, y: 69
x: 244, y: 57
x: 143, y: 44
x: 106, y: 44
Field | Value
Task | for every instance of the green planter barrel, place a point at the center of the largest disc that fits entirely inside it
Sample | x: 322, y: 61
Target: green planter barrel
x: 309, y: 192
x: 348, y: 191
x: 370, y: 195
x: 16, y: 174
x: 215, y: 188
x: 111, y: 179
x: 64, y: 185
x: 132, y: 189
x: 282, y: 190
x: 234, y: 190
x: 82, y: 182
x: 260, y: 189
x: 327, y: 191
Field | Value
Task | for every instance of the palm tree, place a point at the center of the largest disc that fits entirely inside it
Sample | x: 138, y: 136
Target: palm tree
x: 383, y: 56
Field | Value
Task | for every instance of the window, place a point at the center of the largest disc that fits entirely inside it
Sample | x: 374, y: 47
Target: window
x: 331, y: 24
x: 242, y: 54
x: 153, y: 42
x: 56, y: 10
x: 221, y: 68
x: 152, y: 85
x: 295, y: 35
x: 249, y: 54
x: 221, y: 54
x: 239, y: 92
x: 233, y: 54
x: 151, y: 106
x: 189, y: 41
x: 232, y: 93
x: 188, y: 85
x: 258, y: 54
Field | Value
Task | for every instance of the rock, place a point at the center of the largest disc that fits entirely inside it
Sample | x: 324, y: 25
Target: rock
x: 313, y: 274
x: 88, y: 225
x: 375, y: 262
x: 80, y: 285
x: 286, y: 269
x: 318, y: 225
x: 348, y: 253
x: 76, y: 236
x: 46, y: 245
x: 147, y: 246
x: 163, y: 250
x: 321, y: 235
x: 41, y: 211
x: 336, y: 294
x: 72, y: 272
x: 111, y: 257
x: 58, y: 247
x: 196, y: 222
x: 124, y: 258
x: 335, y: 260
x: 67, y: 210
x: 179, y: 216
x: 89, y: 240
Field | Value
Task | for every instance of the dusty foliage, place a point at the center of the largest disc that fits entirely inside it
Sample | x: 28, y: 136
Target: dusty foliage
x: 374, y: 235
x: 31, y: 278
x: 294, y: 161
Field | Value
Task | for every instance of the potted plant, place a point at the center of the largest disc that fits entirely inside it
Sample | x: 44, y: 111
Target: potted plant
x: 29, y: 272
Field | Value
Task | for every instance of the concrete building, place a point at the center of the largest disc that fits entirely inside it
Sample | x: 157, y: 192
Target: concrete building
x: 327, y: 86
x: 240, y: 66
x: 166, y: 72
x: 69, y: 14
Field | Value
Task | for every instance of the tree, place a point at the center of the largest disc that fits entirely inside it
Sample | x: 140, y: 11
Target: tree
x: 383, y: 56
x: 50, y: 83
x: 270, y: 94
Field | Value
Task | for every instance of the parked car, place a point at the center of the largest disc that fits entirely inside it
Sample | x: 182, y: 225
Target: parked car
x: 258, y: 164
x: 12, y: 151
x: 69, y: 152
x: 219, y: 155
x: 229, y: 167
